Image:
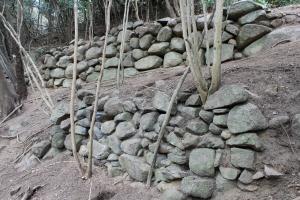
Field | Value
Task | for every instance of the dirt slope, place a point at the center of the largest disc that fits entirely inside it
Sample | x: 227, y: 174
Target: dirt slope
x: 273, y: 78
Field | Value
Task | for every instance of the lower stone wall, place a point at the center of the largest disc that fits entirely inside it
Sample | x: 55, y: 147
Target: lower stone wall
x: 206, y: 148
x: 160, y: 44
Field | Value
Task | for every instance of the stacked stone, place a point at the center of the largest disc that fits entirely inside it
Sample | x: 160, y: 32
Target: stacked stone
x: 207, y: 146
x: 160, y: 44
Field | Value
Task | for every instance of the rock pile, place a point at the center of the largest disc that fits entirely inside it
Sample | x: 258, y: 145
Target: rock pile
x: 206, y: 149
x: 160, y: 44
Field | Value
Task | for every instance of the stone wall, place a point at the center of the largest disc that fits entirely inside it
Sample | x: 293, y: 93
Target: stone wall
x: 206, y: 149
x: 160, y: 44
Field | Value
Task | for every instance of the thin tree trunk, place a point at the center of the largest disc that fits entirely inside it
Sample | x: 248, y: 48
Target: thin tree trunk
x: 136, y: 8
x: 91, y: 20
x: 170, y: 9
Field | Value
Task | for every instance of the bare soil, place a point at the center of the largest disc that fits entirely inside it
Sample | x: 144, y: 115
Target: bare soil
x: 272, y: 77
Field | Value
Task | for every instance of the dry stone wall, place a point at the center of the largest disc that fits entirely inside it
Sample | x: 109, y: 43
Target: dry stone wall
x: 160, y: 44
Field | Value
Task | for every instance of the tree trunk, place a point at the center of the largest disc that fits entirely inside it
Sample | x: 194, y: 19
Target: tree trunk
x: 170, y: 9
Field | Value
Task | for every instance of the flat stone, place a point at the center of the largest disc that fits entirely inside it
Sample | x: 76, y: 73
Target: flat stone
x: 246, y: 118
x: 270, y: 172
x: 254, y: 16
x: 210, y: 140
x: 188, y: 112
x: 136, y: 167
x: 198, y: 186
x: 247, y: 140
x: 226, y: 96
x: 242, y: 158
x: 246, y: 177
x: 242, y: 8
x: 229, y: 173
x: 173, y: 139
x: 206, y: 116
x: 122, y: 117
x: 178, y: 156
x: 201, y: 162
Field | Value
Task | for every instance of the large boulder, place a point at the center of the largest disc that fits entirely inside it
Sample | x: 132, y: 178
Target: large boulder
x: 152, y: 28
x: 146, y: 41
x: 111, y: 51
x: 128, y: 35
x: 198, y: 187
x: 165, y: 34
x: 172, y: 59
x: 136, y: 167
x: 201, y: 162
x: 246, y: 118
x: 249, y: 33
x: 290, y: 33
x: 93, y: 52
x: 226, y: 53
x: 177, y: 44
x: 159, y: 48
x: 210, y: 37
x: 149, y: 62
x: 253, y: 17
x: 241, y: 8
x: 227, y: 95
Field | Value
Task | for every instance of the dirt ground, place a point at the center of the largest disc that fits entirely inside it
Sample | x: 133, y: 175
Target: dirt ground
x: 273, y: 78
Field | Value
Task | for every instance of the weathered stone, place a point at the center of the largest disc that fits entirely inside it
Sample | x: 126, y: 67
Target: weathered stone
x: 128, y: 35
x: 246, y: 118
x: 177, y: 156
x: 247, y: 140
x: 242, y: 158
x: 198, y: 186
x: 233, y: 29
x: 172, y: 59
x: 100, y: 151
x: 201, y: 162
x: 136, y: 167
x: 129, y: 106
x: 161, y: 102
x: 246, y: 177
x: 125, y: 130
x: 111, y: 62
x: 159, y: 49
x: 57, y: 73
x: 215, y: 129
x: 276, y: 122
x: 229, y: 173
x: 68, y: 143
x: 177, y: 30
x: 165, y: 34
x: 249, y: 33
x: 296, y: 125
x: 114, y: 144
x: 254, y: 16
x: 79, y: 130
x: 41, y: 148
x: 242, y: 8
x: 138, y: 54
x: 206, y: 116
x: 152, y: 28
x: 220, y: 120
x: 148, y: 120
x: 226, y: 53
x: 227, y: 95
x: 190, y: 140
x: 176, y: 121
x: 149, y: 62
x: 58, y: 139
x: 131, y: 146
x: 63, y: 62
x: 177, y: 44
x: 173, y: 194
x: 93, y: 52
x: 197, y: 127
x: 122, y: 117
x: 210, y: 37
x: 271, y: 172
x: 170, y: 173
x: 60, y: 113
x: 113, y: 106
x: 173, y: 139
x: 188, y: 112
x: 209, y: 140
x: 223, y: 185
x: 146, y: 41
x: 108, y: 127
x: 247, y: 188
x: 193, y: 100
x: 225, y: 135
x: 258, y: 175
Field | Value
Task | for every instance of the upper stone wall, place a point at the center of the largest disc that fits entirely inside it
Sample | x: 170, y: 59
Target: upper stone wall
x: 160, y: 44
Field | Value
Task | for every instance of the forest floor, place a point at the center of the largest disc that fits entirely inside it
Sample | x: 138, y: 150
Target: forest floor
x: 272, y: 77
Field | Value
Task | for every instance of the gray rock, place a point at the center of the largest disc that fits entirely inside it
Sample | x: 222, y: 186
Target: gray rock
x: 176, y: 121
x: 188, y: 112
x: 249, y: 33
x: 151, y: 135
x: 209, y: 140
x: 246, y: 118
x: 254, y: 16
x: 114, y: 171
x: 125, y: 130
x: 159, y: 49
x: 177, y: 30
x: 172, y: 59
x: 165, y: 34
x: 296, y: 125
x: 210, y: 37
x: 131, y: 146
x: 170, y: 173
x: 113, y: 106
x: 63, y: 61
x: 215, y: 129
x: 57, y: 73
x: 128, y: 35
x: 173, y: 194
x: 225, y: 135
x: 161, y: 102
x: 50, y: 61
x: 152, y: 28
x: 197, y: 127
x: 198, y: 186
x: 82, y: 66
x: 190, y: 140
x: 290, y: 33
x: 137, y: 23
x: 100, y: 151
x: 193, y: 100
x: 58, y: 139
x: 226, y: 53
x: 177, y: 156
x: 122, y: 117
x: 220, y: 120
x: 138, y: 54
x: 233, y: 29
x: 218, y: 158
x: 242, y: 158
x: 223, y: 185
x: 177, y: 44
x: 258, y: 175
x: 68, y: 143
x: 146, y: 41
x: 114, y: 144
x: 85, y: 122
x: 247, y: 140
x: 79, y: 130
x: 60, y: 113
x: 108, y: 127
x: 226, y: 96
x: 41, y: 148
x: 93, y: 52
x: 129, y: 106
x: 206, y: 116
x: 136, y: 167
x: 242, y: 8
x: 276, y: 122
x: 229, y: 173
x: 148, y: 120
x: 271, y: 172
x: 111, y: 62
x: 201, y: 162
x: 246, y: 177
x: 149, y: 62
x: 173, y: 139
x: 134, y: 43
